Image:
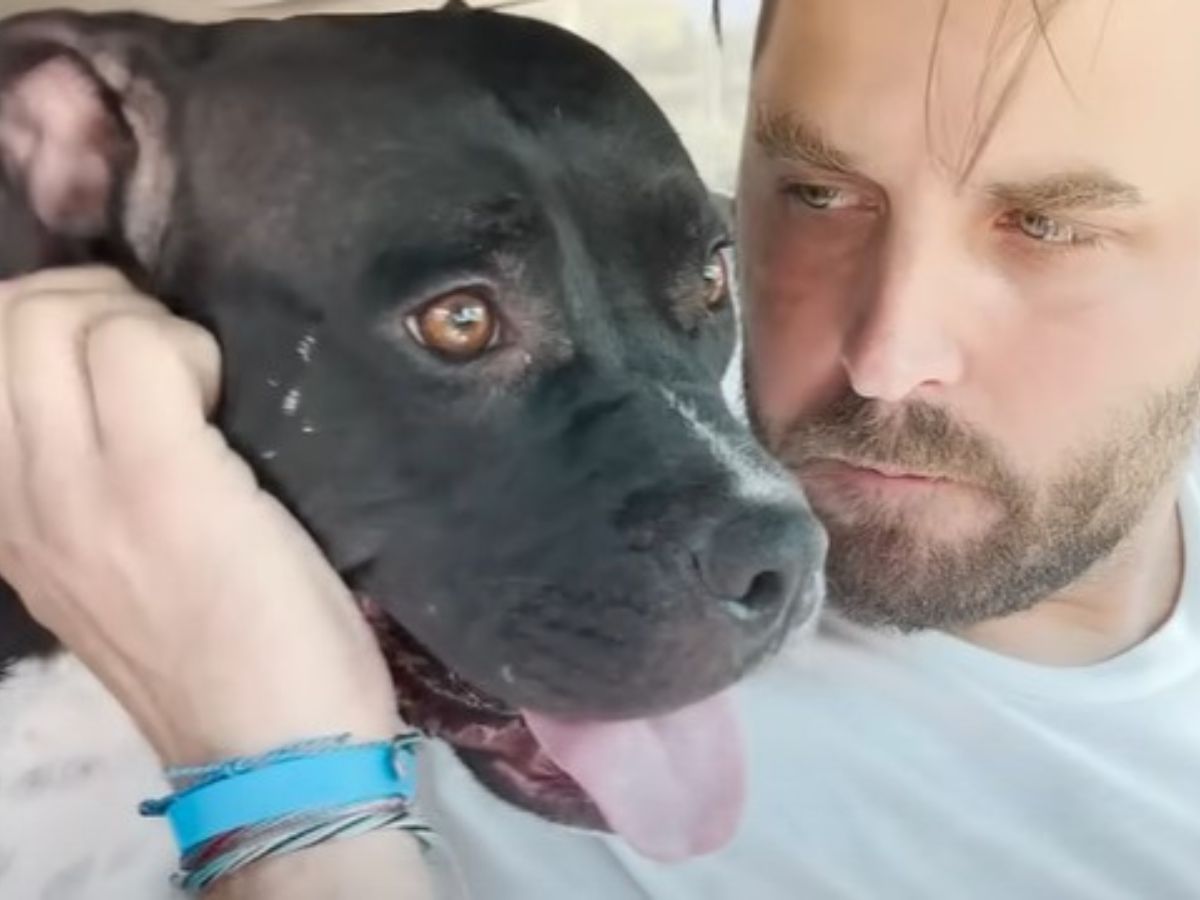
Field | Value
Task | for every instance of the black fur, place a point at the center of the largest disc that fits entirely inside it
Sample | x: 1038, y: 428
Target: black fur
x: 546, y: 513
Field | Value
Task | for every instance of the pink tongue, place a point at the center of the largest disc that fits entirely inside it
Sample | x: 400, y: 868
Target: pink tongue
x: 673, y: 787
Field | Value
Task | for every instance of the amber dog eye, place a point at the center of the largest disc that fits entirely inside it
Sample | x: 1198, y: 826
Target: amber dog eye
x: 458, y: 326
x: 716, y: 282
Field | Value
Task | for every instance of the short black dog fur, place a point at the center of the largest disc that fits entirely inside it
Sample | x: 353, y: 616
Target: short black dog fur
x: 568, y: 515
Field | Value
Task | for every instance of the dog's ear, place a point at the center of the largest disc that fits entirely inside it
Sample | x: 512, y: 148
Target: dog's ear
x: 63, y: 140
x: 82, y: 144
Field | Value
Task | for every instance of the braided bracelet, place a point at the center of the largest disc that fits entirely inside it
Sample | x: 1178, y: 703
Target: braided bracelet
x: 231, y: 814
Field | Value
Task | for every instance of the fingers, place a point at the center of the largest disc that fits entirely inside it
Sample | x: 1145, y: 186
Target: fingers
x: 49, y: 415
x: 47, y: 432
x: 154, y: 380
x: 48, y: 393
x: 78, y: 279
x: 93, y: 372
x: 201, y: 357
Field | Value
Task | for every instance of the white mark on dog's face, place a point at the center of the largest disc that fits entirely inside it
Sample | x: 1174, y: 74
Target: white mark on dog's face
x: 754, y: 477
x: 305, y: 348
x: 733, y: 389
x: 815, y: 590
x: 291, y: 402
x: 733, y: 384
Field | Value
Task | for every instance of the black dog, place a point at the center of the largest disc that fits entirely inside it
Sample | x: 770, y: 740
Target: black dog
x: 473, y: 303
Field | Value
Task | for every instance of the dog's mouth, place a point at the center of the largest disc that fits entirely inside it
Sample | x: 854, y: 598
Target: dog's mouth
x: 673, y: 787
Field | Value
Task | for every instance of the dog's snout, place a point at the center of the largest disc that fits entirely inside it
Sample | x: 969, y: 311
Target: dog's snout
x: 757, y: 563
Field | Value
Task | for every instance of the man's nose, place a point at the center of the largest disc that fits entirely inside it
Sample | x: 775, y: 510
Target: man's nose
x: 903, y: 338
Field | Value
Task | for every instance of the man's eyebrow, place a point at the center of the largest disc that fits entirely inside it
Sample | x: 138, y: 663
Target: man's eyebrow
x: 790, y: 137
x: 1091, y: 189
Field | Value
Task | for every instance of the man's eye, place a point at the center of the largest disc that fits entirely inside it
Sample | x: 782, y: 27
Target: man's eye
x: 819, y: 196
x: 1047, y: 230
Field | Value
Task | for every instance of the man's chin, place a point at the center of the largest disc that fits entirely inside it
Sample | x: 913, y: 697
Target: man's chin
x: 928, y: 531
x: 900, y: 582
x: 878, y: 616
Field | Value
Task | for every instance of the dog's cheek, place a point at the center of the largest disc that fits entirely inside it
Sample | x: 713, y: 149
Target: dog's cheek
x: 308, y: 414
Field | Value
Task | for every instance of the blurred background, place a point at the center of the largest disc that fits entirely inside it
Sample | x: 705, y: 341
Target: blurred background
x: 668, y: 44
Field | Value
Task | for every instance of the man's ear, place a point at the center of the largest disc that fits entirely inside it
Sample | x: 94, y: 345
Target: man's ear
x: 83, y: 135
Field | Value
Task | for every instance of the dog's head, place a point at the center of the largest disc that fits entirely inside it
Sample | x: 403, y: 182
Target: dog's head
x: 474, y: 304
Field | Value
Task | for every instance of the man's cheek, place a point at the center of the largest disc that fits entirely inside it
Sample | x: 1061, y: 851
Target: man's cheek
x: 794, y: 337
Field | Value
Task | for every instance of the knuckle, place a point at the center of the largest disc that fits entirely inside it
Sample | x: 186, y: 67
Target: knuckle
x: 119, y: 333
x: 95, y: 278
x: 203, y: 340
x: 46, y: 314
x: 32, y: 308
x: 33, y: 316
x: 105, y: 278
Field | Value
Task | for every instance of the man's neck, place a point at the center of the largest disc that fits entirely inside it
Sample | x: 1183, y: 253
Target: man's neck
x: 1116, y: 606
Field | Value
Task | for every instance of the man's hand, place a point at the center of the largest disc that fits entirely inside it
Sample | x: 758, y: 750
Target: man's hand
x: 133, y: 532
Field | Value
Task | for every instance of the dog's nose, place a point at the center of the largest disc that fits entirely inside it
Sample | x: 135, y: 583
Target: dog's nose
x: 759, y: 562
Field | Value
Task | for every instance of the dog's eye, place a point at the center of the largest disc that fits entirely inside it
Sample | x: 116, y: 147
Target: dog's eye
x: 716, y: 282
x: 459, y: 326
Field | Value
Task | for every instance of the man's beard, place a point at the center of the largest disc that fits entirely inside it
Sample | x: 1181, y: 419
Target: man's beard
x: 883, y: 571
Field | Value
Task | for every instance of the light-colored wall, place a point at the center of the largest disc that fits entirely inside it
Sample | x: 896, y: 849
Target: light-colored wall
x: 667, y: 44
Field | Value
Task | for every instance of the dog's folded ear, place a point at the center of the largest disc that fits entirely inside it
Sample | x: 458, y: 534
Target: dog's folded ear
x: 63, y: 139
x: 82, y: 140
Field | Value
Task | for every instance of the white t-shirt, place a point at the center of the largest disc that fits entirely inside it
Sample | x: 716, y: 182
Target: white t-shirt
x: 912, y: 767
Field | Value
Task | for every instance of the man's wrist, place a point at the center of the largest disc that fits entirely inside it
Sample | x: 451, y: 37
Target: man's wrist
x: 264, y: 733
x: 235, y: 811
x: 384, y: 865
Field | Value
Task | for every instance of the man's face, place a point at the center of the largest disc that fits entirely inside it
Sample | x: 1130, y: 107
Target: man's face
x: 977, y: 346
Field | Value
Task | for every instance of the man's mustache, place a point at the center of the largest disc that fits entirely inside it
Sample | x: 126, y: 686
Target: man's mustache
x: 915, y: 437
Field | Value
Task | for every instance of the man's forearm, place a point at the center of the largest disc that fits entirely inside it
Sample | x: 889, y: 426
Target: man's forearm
x: 382, y: 866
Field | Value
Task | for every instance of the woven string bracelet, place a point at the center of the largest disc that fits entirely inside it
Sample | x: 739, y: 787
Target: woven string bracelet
x: 237, y: 812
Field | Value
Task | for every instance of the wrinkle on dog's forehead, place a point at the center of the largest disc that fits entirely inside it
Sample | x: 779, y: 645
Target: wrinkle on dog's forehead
x: 509, y: 218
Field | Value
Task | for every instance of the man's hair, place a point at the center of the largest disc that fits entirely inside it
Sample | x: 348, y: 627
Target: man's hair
x: 766, y: 16
x: 1042, y: 13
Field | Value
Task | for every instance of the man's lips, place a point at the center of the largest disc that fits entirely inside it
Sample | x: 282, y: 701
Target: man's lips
x: 876, y: 473
x: 840, y: 480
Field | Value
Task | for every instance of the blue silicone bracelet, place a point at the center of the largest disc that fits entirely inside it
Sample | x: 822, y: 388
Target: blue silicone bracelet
x: 336, y: 778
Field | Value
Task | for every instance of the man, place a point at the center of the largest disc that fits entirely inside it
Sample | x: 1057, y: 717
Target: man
x: 969, y: 243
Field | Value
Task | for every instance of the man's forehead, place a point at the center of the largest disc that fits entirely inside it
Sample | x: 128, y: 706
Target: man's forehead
x: 991, y: 87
